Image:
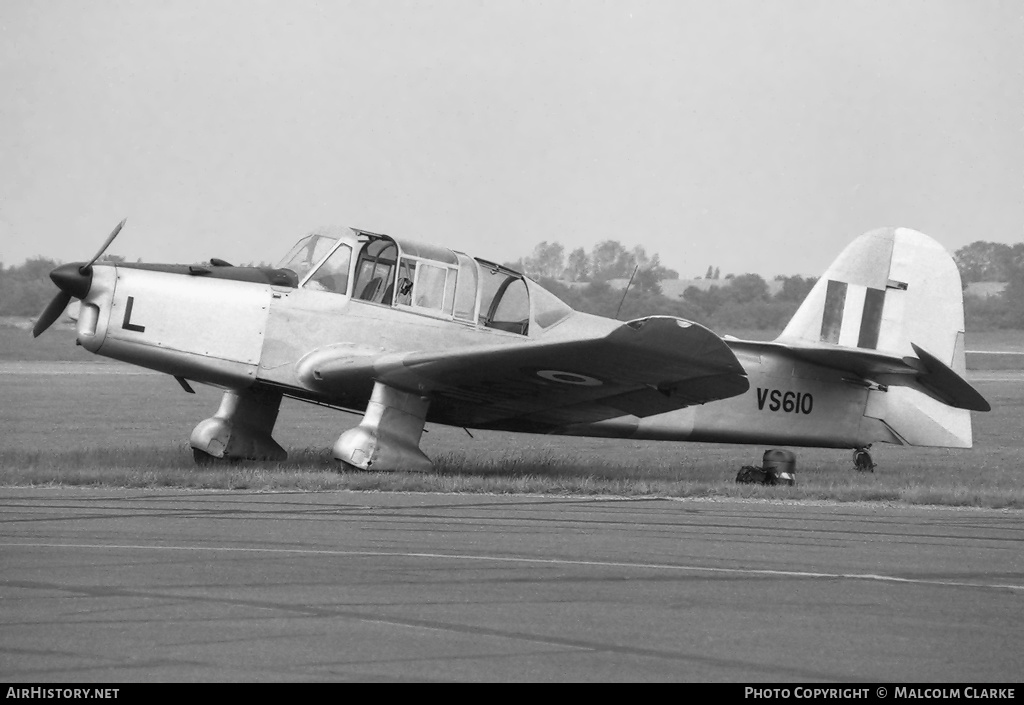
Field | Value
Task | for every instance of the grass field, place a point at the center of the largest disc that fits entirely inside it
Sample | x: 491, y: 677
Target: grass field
x: 131, y: 430
x: 95, y: 422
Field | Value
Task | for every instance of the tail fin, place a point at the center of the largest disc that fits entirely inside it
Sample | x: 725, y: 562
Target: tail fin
x: 888, y: 289
x: 891, y: 294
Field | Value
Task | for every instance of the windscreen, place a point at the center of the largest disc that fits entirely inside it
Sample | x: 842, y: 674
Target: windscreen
x: 307, y: 252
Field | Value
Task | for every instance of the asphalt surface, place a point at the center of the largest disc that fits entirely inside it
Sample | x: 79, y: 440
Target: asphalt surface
x: 101, y: 585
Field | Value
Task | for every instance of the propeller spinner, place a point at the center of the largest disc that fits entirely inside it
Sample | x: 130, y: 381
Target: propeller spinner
x: 74, y: 281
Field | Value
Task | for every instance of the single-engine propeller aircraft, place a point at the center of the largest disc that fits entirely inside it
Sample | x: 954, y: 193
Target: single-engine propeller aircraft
x: 408, y: 333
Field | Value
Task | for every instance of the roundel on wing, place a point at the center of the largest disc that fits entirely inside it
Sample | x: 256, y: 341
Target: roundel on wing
x: 573, y: 378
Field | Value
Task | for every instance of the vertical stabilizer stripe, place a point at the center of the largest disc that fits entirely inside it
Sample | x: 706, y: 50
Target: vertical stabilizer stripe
x: 832, y: 316
x: 853, y: 312
x: 871, y: 321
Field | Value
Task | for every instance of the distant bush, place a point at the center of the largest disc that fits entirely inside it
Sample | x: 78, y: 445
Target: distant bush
x: 25, y: 290
x: 754, y: 315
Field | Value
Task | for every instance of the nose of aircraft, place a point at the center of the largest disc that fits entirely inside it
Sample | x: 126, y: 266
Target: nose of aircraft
x: 74, y: 279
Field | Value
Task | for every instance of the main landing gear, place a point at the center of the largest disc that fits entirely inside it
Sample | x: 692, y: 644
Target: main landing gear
x: 240, y: 430
x: 388, y: 437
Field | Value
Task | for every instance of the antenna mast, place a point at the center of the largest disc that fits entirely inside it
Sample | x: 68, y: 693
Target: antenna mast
x: 626, y: 291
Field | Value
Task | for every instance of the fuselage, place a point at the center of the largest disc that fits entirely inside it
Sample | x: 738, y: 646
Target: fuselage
x: 243, y: 334
x: 410, y: 332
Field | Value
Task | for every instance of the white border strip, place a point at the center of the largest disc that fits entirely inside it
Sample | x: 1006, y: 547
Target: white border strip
x: 534, y: 561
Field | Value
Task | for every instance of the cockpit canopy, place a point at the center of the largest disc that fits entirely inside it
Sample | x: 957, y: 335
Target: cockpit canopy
x: 424, y: 279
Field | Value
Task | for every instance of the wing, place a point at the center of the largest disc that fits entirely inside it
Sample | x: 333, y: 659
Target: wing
x: 925, y: 373
x: 643, y: 367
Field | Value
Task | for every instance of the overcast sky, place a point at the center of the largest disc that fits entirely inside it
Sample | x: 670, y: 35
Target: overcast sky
x: 754, y: 136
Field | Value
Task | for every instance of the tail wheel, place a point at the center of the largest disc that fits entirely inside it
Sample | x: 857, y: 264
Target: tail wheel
x: 862, y: 460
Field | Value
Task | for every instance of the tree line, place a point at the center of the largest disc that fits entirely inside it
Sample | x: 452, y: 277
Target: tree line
x: 983, y: 261
x: 744, y: 301
x: 587, y: 282
x: 608, y: 260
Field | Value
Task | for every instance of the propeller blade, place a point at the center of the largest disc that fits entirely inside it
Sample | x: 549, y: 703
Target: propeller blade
x: 51, y: 313
x: 103, y: 249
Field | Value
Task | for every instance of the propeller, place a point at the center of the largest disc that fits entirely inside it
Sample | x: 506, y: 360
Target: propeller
x: 51, y: 313
x: 99, y: 253
x: 74, y: 281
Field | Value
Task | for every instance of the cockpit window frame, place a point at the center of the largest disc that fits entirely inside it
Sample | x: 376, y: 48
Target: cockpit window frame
x: 464, y: 275
x: 383, y: 294
x: 314, y: 264
x: 418, y: 281
x: 311, y: 277
x: 485, y: 319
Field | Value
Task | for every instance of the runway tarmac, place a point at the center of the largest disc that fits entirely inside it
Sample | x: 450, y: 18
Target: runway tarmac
x: 152, y: 585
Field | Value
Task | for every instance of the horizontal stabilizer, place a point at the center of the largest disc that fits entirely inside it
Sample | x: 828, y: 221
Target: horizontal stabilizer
x: 945, y: 384
x: 925, y: 373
